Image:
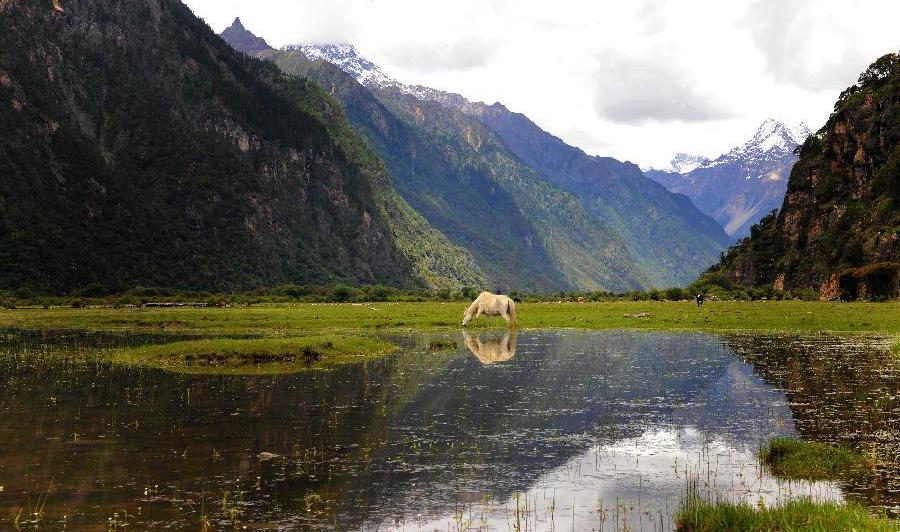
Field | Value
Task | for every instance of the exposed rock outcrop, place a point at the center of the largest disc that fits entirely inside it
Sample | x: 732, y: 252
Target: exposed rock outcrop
x: 837, y: 231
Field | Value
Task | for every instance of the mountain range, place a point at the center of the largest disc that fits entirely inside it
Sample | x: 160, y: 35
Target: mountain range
x: 838, y: 229
x: 738, y: 188
x: 535, y: 213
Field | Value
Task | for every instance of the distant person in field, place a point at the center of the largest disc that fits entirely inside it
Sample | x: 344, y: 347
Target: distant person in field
x: 700, y: 299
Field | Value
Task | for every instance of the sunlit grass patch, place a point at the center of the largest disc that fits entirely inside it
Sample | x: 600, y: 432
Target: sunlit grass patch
x: 800, y: 460
x: 255, y: 356
x: 698, y: 515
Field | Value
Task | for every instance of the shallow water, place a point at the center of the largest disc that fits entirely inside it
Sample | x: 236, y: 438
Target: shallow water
x: 538, y: 431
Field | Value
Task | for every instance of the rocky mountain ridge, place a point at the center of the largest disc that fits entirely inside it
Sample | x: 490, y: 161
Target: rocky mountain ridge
x: 243, y: 40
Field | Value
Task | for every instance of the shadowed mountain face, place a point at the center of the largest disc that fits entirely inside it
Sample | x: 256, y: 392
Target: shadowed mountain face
x: 557, y: 218
x: 140, y: 149
x: 837, y: 231
x: 666, y: 230
x: 524, y: 233
x: 242, y: 40
x: 743, y: 185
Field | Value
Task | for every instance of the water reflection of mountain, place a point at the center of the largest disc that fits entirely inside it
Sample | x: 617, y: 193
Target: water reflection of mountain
x: 405, y: 435
x: 563, y: 392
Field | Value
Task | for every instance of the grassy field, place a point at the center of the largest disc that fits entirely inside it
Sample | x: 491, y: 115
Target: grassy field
x: 311, y: 318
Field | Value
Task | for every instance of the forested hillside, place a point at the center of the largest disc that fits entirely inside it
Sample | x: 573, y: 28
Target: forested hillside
x: 838, y: 230
x: 138, y: 148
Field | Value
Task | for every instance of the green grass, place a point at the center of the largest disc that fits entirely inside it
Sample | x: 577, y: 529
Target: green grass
x: 698, y: 516
x: 312, y: 318
x: 800, y: 460
x: 255, y: 356
x: 337, y: 322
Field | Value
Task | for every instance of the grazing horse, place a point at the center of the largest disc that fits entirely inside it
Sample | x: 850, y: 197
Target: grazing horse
x: 491, y: 305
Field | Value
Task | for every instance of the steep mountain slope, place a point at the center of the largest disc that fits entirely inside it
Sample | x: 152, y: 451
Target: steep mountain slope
x: 642, y: 235
x: 670, y: 239
x: 667, y: 231
x: 838, y: 230
x: 523, y: 233
x: 743, y: 185
x: 137, y: 148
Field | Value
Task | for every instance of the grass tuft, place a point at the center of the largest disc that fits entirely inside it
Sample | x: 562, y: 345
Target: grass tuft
x: 700, y: 516
x: 255, y: 356
x: 442, y: 345
x: 799, y: 460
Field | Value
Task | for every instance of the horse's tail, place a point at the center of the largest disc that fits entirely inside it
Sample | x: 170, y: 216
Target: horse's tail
x: 511, y: 310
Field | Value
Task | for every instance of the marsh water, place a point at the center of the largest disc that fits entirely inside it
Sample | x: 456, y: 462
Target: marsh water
x: 540, y: 430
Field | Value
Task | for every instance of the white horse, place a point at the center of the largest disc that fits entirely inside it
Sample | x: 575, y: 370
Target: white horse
x: 491, y: 305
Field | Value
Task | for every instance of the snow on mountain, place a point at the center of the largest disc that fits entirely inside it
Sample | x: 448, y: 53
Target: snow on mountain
x: 773, y: 141
x: 683, y: 163
x: 349, y: 60
x: 736, y: 188
x: 741, y: 186
x: 370, y: 75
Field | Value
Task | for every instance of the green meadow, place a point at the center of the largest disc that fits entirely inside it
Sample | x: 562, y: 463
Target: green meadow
x: 327, y: 318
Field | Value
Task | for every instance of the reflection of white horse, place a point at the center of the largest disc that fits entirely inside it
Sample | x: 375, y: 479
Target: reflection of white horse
x: 491, y: 305
x: 491, y: 350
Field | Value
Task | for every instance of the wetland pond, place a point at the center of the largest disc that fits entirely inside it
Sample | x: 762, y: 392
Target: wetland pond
x: 542, y: 430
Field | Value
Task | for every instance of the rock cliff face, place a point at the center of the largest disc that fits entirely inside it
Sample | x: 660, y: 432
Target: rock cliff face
x: 138, y: 149
x: 837, y: 230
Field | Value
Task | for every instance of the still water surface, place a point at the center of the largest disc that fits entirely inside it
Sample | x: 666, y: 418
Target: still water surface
x: 537, y: 431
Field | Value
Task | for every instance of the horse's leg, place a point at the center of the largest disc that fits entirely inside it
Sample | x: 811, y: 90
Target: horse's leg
x: 506, y: 317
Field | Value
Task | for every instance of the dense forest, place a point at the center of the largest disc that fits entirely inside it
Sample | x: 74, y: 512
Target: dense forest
x: 140, y: 150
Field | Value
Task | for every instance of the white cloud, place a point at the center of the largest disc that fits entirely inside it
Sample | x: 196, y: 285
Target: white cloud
x: 635, y: 89
x: 816, y: 47
x: 462, y: 54
x: 705, y: 73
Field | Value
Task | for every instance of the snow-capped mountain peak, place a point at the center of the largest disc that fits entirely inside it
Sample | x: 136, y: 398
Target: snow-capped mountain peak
x: 683, y: 163
x: 741, y: 186
x: 345, y: 56
x: 775, y: 134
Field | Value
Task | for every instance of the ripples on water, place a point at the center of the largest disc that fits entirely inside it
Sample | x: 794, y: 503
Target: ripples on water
x: 540, y: 430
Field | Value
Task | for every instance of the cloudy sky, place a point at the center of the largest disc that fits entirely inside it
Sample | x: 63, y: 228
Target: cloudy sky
x: 636, y: 80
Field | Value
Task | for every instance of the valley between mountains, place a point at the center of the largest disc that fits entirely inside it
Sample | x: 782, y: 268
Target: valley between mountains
x: 510, y: 193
